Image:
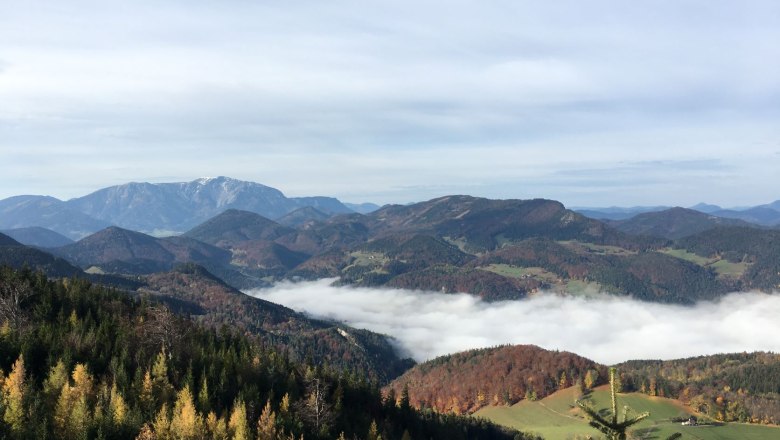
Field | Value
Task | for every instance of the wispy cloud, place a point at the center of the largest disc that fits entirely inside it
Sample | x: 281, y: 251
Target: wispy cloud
x: 605, y: 329
x: 510, y: 93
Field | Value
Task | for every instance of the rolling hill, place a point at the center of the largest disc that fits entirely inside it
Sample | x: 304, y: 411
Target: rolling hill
x: 674, y: 223
x: 555, y: 418
x: 467, y: 381
x: 38, y: 237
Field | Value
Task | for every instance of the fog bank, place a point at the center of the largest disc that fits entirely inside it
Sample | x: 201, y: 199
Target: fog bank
x: 605, y: 329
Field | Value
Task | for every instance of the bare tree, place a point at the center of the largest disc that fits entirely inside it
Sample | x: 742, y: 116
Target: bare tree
x: 162, y: 328
x: 13, y: 295
x: 315, y: 408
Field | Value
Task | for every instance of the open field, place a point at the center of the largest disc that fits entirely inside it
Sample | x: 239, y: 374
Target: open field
x: 723, y: 268
x: 555, y: 418
x: 583, y: 247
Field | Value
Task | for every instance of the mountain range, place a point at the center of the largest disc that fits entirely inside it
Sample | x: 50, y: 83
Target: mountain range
x: 496, y: 249
x: 158, y: 208
x: 764, y: 215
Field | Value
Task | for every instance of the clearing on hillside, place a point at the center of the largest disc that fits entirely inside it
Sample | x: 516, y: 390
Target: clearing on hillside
x: 556, y: 418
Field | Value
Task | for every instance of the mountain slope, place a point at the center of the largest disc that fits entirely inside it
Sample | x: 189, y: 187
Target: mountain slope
x: 674, y: 223
x: 301, y: 216
x: 47, y: 212
x: 192, y: 288
x: 765, y: 215
x: 235, y: 226
x: 14, y: 254
x: 466, y: 381
x: 38, y: 237
x: 119, y: 250
x: 179, y: 207
x: 88, y: 362
x: 482, y: 224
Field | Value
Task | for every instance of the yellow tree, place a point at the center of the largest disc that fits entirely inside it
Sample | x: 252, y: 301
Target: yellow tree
x: 57, y: 378
x: 161, y: 387
x: 162, y: 424
x: 266, y: 425
x: 239, y: 427
x: 80, y: 414
x: 117, y: 406
x: 216, y: 428
x: 14, y: 391
x: 186, y: 423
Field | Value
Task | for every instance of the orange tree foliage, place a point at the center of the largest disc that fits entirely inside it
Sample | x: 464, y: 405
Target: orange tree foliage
x: 466, y: 381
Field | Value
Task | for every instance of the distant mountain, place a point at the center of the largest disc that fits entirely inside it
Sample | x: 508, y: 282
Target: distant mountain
x: 328, y: 205
x: 674, y: 223
x: 6, y: 240
x: 118, y: 250
x: 17, y: 255
x: 47, y: 212
x: 301, y: 216
x: 176, y: 207
x: 478, y: 224
x: 617, y: 213
x: 760, y: 215
x: 38, y: 237
x: 706, y: 208
x: 362, y: 208
x: 466, y: 381
x: 235, y: 226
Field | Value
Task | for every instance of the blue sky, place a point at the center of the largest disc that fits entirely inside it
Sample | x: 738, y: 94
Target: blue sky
x: 592, y: 103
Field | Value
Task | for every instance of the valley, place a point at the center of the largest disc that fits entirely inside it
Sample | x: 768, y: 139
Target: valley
x: 371, y: 294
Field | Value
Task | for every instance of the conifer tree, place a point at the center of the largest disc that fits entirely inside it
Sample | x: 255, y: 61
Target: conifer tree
x: 612, y: 426
x: 185, y: 422
x: 117, y: 407
x: 162, y: 424
x: 373, y: 431
x: 56, y: 379
x: 14, y: 393
x: 238, y: 424
x: 266, y: 425
x: 216, y: 427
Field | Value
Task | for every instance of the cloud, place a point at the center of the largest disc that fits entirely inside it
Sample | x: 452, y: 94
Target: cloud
x: 278, y: 90
x: 605, y: 329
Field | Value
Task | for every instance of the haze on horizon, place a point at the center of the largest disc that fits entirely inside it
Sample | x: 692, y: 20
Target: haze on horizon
x: 591, y: 103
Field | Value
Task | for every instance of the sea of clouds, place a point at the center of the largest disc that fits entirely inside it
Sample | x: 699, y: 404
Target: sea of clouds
x: 604, y: 328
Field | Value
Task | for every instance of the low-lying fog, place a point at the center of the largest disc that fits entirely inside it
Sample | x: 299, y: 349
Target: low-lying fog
x: 605, y: 329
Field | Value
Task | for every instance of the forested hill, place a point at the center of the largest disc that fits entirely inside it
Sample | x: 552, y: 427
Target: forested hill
x: 467, y: 381
x: 81, y: 361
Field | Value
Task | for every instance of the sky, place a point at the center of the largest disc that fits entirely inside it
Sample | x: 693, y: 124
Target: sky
x: 596, y: 103
x: 425, y: 325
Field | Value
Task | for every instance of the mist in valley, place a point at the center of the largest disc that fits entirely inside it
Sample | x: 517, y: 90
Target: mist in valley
x: 604, y: 328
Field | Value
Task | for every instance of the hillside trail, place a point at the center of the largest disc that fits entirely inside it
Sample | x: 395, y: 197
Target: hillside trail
x: 558, y: 412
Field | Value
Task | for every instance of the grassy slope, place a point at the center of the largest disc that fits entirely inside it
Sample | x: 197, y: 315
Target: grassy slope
x: 554, y: 418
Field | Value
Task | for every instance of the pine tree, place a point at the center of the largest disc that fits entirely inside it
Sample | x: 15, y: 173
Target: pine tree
x: 14, y: 393
x: 238, y: 423
x: 216, y: 427
x: 591, y: 376
x: 373, y: 431
x: 117, y: 407
x: 266, y: 425
x: 185, y: 422
x: 162, y: 424
x: 56, y: 379
x: 611, y: 425
x: 203, y: 396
